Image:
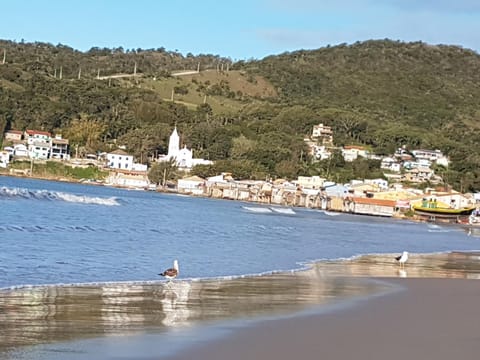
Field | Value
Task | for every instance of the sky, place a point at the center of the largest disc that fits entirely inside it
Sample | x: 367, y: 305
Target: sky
x: 241, y: 29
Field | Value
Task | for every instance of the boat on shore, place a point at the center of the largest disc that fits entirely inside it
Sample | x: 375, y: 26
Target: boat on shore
x: 434, y: 208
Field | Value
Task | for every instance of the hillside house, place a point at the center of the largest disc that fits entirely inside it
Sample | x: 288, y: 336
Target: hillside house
x: 13, y: 135
x: 390, y: 164
x: 352, y: 152
x: 323, y: 134
x: 419, y: 174
x: 431, y: 155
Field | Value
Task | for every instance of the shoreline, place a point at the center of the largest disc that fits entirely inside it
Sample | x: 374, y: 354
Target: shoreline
x: 414, y: 218
x: 82, y: 319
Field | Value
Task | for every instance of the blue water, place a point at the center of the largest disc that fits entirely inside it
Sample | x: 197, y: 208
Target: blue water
x: 56, y: 233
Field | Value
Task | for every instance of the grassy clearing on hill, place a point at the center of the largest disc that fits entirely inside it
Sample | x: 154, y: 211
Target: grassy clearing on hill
x: 225, y: 92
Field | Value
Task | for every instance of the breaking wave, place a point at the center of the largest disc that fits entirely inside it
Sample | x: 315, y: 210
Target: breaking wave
x: 23, y: 193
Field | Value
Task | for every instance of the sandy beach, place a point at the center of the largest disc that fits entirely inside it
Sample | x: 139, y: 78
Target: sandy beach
x: 363, y: 308
x: 428, y: 319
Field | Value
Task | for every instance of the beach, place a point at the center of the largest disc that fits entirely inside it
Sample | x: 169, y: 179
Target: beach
x: 427, y: 319
x: 364, y: 308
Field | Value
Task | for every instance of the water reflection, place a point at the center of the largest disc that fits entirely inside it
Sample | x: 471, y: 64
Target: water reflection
x: 448, y: 265
x: 47, y: 314
x: 38, y: 315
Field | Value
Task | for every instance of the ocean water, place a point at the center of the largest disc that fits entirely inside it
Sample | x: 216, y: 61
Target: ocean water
x: 52, y: 232
x: 82, y: 262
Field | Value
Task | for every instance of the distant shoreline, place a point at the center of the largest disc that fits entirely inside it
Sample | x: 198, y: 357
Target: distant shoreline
x: 77, y: 181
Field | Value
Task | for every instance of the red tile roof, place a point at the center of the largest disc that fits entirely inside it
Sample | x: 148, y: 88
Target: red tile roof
x: 372, y: 201
x: 38, y: 132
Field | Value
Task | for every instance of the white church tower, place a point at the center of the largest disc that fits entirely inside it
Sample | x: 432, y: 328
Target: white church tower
x: 173, y: 145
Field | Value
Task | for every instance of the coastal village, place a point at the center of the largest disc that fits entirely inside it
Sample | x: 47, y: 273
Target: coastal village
x: 388, y: 196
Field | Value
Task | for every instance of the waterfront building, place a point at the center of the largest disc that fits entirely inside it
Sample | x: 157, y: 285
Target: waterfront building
x: 38, y: 143
x: 120, y: 159
x: 60, y: 148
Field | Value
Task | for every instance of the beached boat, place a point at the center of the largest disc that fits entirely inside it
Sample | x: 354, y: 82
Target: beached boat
x: 434, y: 208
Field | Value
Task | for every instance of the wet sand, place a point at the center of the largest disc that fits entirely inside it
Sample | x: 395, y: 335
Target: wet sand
x: 430, y: 319
x: 365, y: 308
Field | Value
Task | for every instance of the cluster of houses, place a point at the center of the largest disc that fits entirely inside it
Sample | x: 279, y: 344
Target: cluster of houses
x: 33, y: 144
x: 366, y: 197
x: 412, y: 166
x: 372, y: 197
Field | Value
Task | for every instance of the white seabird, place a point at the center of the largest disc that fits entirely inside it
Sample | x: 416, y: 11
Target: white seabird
x: 402, y: 259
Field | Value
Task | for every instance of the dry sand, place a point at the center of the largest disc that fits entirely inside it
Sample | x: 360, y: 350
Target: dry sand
x: 430, y: 319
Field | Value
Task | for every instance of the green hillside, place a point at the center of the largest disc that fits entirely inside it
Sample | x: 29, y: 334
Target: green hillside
x: 252, y: 116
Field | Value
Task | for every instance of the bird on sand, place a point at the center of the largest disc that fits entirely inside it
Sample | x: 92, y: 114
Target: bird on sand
x: 171, y: 273
x: 402, y: 259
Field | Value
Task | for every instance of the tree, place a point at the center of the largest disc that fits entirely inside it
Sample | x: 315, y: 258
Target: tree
x: 160, y: 172
x: 241, y: 147
x: 85, y: 132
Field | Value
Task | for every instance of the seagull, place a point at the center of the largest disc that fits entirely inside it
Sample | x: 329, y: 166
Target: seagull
x: 402, y: 259
x: 171, y: 273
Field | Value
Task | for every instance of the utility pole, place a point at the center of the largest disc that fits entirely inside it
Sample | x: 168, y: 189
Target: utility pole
x: 4, y: 56
x: 135, y: 69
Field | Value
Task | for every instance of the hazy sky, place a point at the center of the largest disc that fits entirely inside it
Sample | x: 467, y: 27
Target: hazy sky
x: 239, y: 29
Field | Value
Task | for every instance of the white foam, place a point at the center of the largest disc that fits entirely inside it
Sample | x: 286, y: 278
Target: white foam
x: 55, y: 195
x: 257, y: 209
x: 331, y: 213
x: 283, y: 210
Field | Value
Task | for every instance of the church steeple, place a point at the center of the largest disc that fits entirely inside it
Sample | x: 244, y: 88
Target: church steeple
x: 173, y: 144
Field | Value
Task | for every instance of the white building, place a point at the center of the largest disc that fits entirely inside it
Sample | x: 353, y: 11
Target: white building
x: 39, y: 144
x: 119, y: 159
x: 351, y: 153
x: 4, y: 159
x: 128, y: 179
x: 184, y: 156
x: 192, y: 185
x: 20, y: 150
x: 391, y: 164
x: 323, y: 133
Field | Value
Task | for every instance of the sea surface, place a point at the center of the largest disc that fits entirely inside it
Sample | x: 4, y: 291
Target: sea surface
x: 75, y: 254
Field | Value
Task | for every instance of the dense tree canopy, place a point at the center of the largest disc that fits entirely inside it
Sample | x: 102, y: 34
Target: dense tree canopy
x: 380, y: 94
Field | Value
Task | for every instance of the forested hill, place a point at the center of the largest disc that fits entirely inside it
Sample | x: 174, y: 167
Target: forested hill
x: 381, y: 94
x: 383, y: 83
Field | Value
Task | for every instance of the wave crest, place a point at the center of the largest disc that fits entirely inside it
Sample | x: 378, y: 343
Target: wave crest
x: 23, y: 193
